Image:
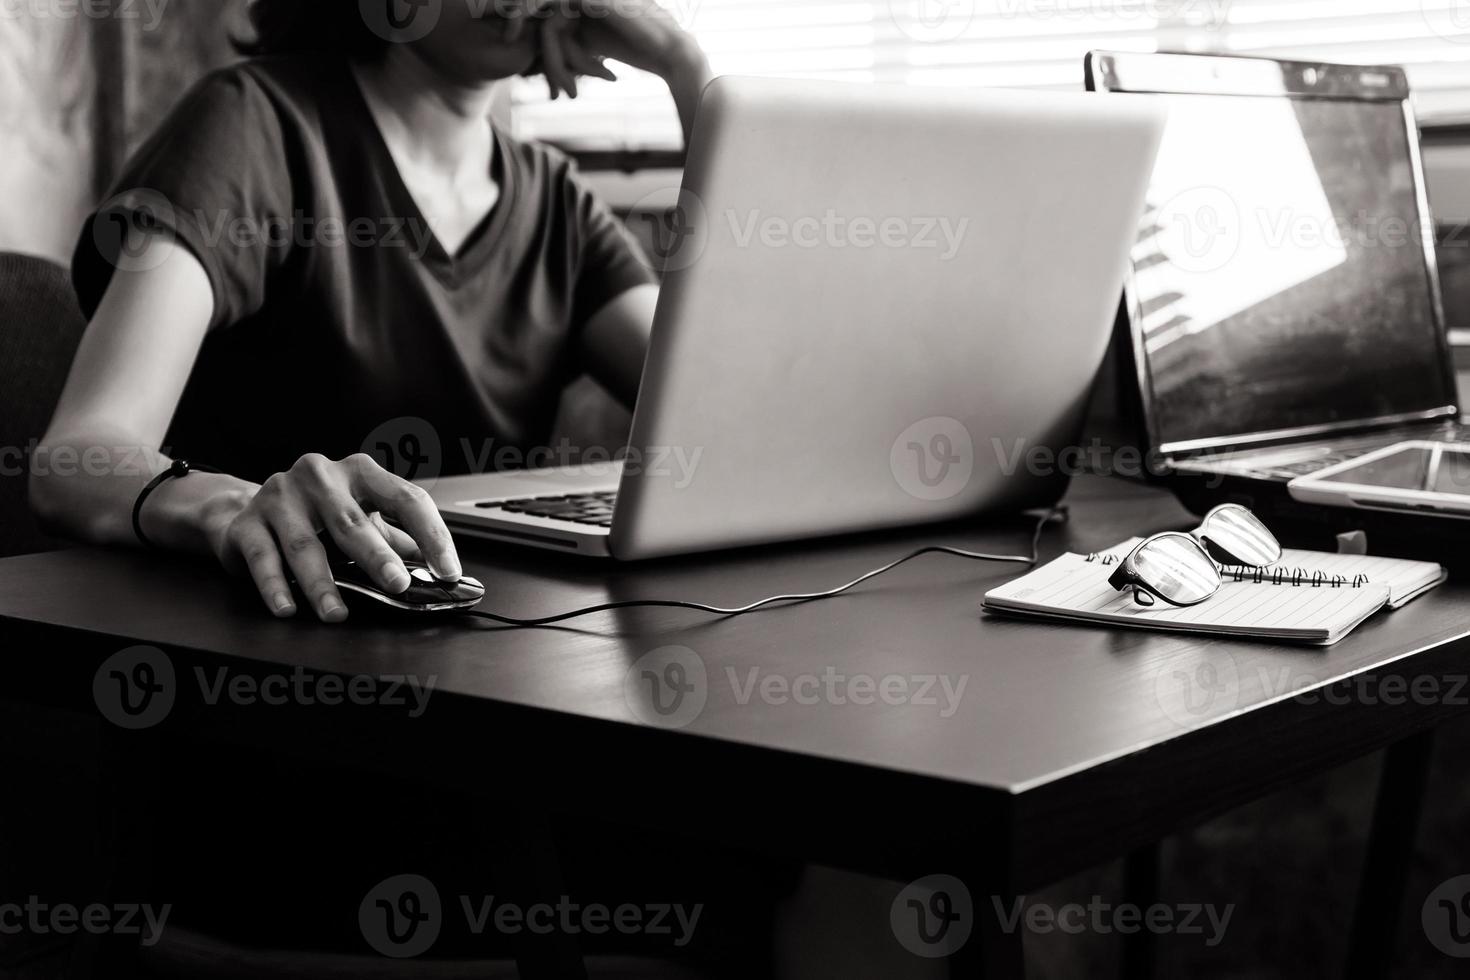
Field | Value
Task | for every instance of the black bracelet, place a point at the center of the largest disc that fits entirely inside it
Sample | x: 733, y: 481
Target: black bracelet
x: 177, y: 470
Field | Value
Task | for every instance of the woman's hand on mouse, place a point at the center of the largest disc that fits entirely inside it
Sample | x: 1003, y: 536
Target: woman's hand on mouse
x: 276, y: 535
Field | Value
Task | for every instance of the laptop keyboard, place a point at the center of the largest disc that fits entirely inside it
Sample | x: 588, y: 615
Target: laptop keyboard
x: 592, y: 509
x: 1321, y: 459
x: 1306, y: 467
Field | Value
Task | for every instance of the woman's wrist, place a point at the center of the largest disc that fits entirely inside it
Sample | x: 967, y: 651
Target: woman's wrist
x: 687, y: 59
x: 193, y: 512
x: 687, y: 74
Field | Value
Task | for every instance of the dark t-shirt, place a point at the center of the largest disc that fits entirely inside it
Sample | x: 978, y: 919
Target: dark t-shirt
x: 340, y: 323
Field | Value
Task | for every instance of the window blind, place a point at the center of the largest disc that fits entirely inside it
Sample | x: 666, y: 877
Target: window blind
x: 1004, y: 43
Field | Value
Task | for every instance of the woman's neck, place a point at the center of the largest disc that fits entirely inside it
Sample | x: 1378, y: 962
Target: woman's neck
x: 443, y: 123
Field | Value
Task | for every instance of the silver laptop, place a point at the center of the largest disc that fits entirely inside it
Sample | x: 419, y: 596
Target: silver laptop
x: 886, y: 306
x: 1283, y: 298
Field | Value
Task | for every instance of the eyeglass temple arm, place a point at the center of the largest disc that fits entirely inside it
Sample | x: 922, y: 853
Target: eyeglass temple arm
x: 1123, y: 575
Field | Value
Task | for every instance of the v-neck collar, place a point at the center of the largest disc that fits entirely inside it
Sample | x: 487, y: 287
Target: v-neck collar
x: 476, y: 249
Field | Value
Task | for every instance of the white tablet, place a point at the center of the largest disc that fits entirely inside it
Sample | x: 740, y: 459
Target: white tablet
x: 1421, y: 477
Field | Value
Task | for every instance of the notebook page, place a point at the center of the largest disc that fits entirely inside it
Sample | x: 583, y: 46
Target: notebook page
x: 1405, y: 580
x: 1074, y: 587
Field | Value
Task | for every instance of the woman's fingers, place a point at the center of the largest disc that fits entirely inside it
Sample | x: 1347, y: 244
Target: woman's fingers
x: 329, y: 497
x: 360, y: 540
x: 277, y: 536
x: 414, y: 511
x: 255, y: 547
x: 583, y: 63
x: 399, y: 541
x: 554, y: 59
x: 291, y: 523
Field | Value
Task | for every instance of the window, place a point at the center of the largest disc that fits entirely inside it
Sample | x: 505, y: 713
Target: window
x: 1005, y: 43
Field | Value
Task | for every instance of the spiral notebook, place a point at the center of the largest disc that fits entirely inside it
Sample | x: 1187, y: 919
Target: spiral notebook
x: 1309, y: 597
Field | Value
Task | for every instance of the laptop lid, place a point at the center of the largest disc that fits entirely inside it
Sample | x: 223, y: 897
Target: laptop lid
x: 885, y: 305
x: 1284, y: 283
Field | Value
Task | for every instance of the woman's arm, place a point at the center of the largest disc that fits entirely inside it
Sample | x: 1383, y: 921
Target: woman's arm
x: 615, y: 342
x: 575, y: 36
x: 125, y: 384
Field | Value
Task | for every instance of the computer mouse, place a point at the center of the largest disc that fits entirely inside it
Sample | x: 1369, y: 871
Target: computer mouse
x: 427, y: 594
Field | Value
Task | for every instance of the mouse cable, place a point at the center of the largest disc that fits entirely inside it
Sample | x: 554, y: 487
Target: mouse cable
x: 1056, y: 514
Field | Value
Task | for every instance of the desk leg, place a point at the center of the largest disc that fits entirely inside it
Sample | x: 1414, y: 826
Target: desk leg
x: 129, y: 780
x: 519, y: 853
x: 1390, y: 852
x: 1141, y: 890
x: 993, y: 952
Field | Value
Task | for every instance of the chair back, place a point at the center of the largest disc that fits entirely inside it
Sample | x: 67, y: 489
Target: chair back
x: 40, y: 327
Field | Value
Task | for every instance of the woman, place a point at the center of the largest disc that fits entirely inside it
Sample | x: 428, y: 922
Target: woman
x: 332, y: 235
x: 325, y: 237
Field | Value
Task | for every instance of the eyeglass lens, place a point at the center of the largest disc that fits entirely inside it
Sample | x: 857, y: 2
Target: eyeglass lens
x: 1177, y: 569
x: 1235, y: 536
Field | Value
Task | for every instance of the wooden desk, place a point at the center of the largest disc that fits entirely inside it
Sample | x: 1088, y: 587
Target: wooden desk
x: 1068, y: 746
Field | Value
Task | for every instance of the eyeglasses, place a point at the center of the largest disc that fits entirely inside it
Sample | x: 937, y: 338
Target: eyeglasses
x: 1184, y: 569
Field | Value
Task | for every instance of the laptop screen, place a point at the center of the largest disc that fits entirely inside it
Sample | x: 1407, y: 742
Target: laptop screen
x: 1281, y: 283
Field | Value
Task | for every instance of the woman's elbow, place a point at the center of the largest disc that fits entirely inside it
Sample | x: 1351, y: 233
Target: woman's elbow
x: 44, y: 496
x: 55, y: 503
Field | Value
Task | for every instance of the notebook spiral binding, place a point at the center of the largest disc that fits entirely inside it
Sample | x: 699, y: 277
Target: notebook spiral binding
x: 1295, y: 577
